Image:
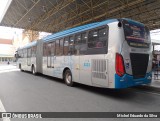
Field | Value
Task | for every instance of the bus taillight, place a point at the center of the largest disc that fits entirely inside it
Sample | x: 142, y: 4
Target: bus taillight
x: 120, y: 70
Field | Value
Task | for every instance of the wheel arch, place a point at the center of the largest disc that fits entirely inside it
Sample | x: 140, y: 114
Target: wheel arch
x: 32, y: 66
x: 66, y: 68
x: 20, y: 66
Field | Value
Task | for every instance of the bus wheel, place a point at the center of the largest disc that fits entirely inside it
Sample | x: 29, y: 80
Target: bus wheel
x: 68, y: 78
x: 33, y: 70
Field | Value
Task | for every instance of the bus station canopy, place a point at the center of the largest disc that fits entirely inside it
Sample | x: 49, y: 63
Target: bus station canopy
x: 56, y: 15
x: 155, y: 43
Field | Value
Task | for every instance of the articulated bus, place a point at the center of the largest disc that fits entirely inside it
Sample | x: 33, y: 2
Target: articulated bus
x: 114, y: 53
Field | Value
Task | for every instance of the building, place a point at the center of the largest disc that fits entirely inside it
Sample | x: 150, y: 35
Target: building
x: 7, y: 50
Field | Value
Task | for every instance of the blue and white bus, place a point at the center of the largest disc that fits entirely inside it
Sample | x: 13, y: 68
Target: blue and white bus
x: 113, y: 53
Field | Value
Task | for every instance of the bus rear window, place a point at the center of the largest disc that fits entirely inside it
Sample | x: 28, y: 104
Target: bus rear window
x: 136, y: 34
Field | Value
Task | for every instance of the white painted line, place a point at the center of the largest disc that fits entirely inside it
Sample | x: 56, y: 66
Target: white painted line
x: 2, y: 109
x: 9, y: 70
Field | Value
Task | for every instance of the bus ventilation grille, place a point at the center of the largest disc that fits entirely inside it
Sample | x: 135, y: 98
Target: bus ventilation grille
x: 99, y: 68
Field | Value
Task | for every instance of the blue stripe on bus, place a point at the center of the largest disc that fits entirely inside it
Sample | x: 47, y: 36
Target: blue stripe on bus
x: 77, y: 29
x: 68, y: 31
x: 128, y: 81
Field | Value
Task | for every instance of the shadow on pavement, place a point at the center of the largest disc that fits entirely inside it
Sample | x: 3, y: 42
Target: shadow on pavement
x: 120, y: 94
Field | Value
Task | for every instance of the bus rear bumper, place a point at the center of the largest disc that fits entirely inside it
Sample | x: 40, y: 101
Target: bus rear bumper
x: 128, y: 80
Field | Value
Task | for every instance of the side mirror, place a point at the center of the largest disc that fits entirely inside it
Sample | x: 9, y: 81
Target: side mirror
x: 119, y: 24
x: 16, y: 55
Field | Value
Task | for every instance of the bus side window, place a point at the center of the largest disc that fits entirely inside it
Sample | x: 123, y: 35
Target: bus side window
x: 53, y: 48
x: 92, y: 38
x: 49, y: 46
x: 103, y: 36
x: 77, y: 41
x: 61, y: 47
x: 97, y: 38
x: 19, y: 54
x: 77, y: 38
x: 71, y: 45
x: 84, y: 38
x: 57, y: 48
x: 44, y: 50
x: 33, y: 51
x: 81, y: 38
x: 28, y: 52
x: 25, y: 53
x: 80, y: 43
x: 22, y: 54
x: 66, y: 45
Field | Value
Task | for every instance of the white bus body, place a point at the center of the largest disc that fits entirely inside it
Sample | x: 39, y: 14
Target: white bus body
x: 112, y: 54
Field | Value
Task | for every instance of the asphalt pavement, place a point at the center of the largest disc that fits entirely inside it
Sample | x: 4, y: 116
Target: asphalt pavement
x: 24, y: 92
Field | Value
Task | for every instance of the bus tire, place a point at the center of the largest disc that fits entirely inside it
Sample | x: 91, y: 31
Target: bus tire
x: 68, y: 78
x: 33, y: 70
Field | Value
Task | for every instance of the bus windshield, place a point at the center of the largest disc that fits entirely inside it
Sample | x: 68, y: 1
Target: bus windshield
x: 136, y: 34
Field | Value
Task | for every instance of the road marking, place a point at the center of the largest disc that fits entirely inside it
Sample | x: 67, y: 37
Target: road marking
x: 9, y: 70
x: 2, y: 109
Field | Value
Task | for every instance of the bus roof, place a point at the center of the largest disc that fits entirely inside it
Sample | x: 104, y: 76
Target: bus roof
x: 132, y: 21
x: 77, y: 29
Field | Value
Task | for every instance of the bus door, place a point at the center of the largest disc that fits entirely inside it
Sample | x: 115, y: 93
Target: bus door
x: 80, y: 49
x: 48, y: 61
x: 74, y: 49
x: 49, y: 56
x: 76, y: 68
x: 29, y: 56
x: 52, y: 54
